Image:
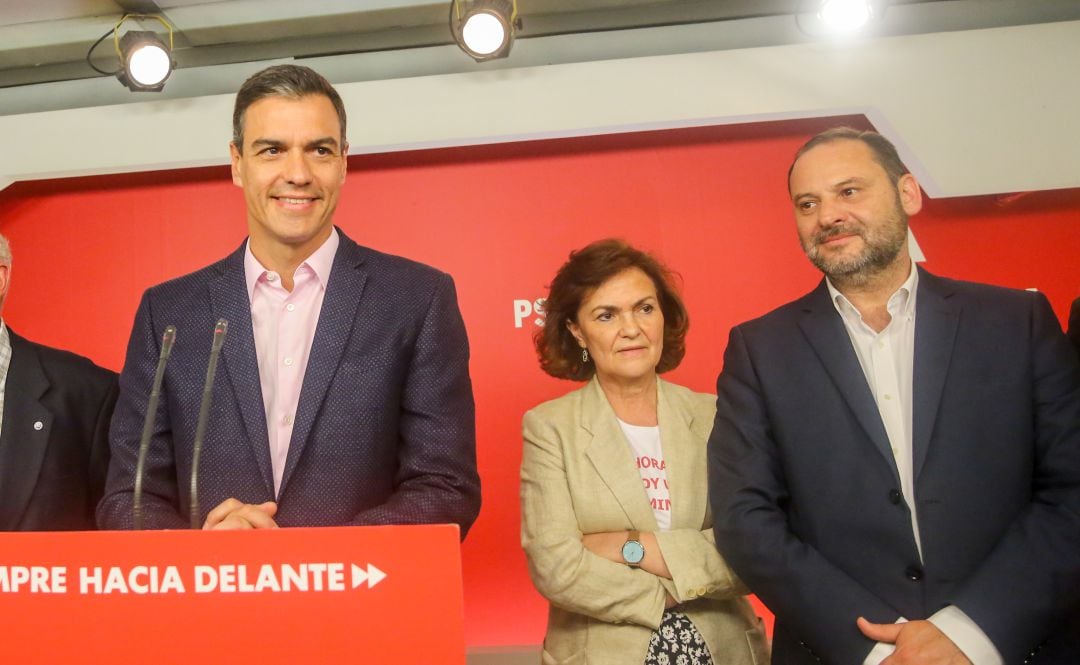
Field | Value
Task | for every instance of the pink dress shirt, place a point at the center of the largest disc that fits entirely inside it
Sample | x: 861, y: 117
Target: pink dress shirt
x: 284, y: 326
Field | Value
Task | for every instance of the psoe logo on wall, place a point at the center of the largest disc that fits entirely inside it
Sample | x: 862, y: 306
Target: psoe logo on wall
x: 524, y: 309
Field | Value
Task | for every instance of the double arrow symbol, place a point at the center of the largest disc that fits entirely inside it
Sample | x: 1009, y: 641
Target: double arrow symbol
x: 372, y: 576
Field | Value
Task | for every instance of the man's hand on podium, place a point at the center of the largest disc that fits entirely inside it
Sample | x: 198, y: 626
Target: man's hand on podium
x: 233, y: 514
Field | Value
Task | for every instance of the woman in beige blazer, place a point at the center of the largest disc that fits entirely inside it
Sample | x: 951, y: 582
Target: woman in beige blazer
x: 615, y: 518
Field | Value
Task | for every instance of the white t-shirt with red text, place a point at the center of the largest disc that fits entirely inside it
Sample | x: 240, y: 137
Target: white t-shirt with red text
x: 649, y: 457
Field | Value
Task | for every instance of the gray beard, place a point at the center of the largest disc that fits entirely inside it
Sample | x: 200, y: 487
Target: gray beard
x: 861, y: 269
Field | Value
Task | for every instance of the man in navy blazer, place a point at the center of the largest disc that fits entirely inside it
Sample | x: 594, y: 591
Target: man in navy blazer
x: 343, y: 392
x: 895, y: 463
x: 1074, y: 324
x: 55, y: 408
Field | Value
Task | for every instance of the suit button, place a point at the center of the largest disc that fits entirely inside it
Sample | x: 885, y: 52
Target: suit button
x: 913, y: 573
x: 894, y: 497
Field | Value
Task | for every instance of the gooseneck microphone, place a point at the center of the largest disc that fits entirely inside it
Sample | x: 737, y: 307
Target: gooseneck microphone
x: 220, y: 329
x: 167, y: 341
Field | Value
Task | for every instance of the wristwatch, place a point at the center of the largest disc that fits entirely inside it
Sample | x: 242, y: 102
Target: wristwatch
x: 632, y: 550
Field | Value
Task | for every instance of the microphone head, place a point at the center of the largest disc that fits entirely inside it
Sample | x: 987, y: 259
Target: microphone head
x: 220, y: 329
x: 167, y: 341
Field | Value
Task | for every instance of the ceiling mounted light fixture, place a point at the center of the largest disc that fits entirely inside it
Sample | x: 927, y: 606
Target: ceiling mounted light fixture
x: 145, y: 59
x: 845, y: 15
x: 484, y: 29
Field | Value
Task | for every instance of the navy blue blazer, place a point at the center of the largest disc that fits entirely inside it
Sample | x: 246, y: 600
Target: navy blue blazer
x: 385, y: 427
x: 1074, y: 324
x: 805, y: 491
x: 54, y: 442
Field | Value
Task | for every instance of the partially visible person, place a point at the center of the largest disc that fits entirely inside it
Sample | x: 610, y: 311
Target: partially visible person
x: 895, y: 465
x: 343, y: 396
x: 55, y: 409
x: 615, y: 518
x: 1074, y: 324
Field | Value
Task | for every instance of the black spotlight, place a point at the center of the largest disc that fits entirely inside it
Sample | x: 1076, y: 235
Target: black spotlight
x: 484, y: 29
x: 147, y: 61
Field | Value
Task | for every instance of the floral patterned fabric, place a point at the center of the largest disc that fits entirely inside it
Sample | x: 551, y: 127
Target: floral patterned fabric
x: 677, y: 642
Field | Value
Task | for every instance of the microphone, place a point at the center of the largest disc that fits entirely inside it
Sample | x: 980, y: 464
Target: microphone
x: 167, y: 340
x: 220, y: 329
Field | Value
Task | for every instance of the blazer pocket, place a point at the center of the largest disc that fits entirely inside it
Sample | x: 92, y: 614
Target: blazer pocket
x: 759, y: 646
x: 576, y: 658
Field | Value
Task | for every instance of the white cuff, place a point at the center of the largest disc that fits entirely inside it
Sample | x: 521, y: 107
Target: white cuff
x: 966, y: 635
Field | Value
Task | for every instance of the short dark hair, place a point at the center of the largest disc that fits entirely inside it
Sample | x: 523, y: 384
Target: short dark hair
x: 584, y: 272
x: 292, y: 81
x: 883, y: 150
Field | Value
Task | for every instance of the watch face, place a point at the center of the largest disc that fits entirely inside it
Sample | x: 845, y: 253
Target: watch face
x: 633, y: 552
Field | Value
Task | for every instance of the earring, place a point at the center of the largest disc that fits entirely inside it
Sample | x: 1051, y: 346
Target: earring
x: 584, y: 356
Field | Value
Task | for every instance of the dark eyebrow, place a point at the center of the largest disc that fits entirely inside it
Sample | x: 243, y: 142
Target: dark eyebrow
x: 328, y: 141
x: 266, y: 143
x: 612, y: 308
x: 843, y: 184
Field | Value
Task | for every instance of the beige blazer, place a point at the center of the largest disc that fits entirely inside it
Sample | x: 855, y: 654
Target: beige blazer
x: 578, y: 476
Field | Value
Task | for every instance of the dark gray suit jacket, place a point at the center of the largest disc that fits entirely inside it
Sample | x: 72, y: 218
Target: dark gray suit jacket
x: 1074, y: 324
x: 385, y: 427
x: 54, y: 447
x: 805, y: 491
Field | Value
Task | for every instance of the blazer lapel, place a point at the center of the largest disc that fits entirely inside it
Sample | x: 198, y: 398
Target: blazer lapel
x: 825, y: 331
x: 24, y: 435
x: 937, y: 317
x: 610, y: 454
x: 230, y: 300
x: 340, y: 303
x: 684, y: 460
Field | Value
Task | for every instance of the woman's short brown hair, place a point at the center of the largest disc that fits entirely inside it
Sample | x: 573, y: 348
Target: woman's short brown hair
x: 584, y: 272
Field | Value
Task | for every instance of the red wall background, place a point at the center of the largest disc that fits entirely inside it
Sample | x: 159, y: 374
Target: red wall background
x: 712, y: 202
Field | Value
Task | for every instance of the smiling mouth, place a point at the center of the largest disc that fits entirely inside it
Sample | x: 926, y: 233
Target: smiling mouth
x: 292, y: 200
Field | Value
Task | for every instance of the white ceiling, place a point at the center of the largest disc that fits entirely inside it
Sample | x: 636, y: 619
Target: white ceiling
x: 44, y: 43
x: 938, y: 77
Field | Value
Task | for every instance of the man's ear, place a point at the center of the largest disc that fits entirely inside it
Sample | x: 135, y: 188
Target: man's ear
x: 344, y: 161
x: 5, y: 281
x: 234, y: 158
x: 910, y: 194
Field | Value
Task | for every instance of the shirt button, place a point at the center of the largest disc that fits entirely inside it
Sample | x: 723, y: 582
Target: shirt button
x: 290, y: 307
x: 271, y: 276
x: 887, y: 396
x: 288, y: 362
x: 287, y: 419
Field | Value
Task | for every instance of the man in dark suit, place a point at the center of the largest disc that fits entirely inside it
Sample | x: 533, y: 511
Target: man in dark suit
x: 343, y: 394
x: 55, y: 408
x: 1074, y: 324
x: 895, y: 463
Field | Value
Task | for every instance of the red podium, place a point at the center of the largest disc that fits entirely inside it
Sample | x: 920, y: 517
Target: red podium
x: 289, y: 596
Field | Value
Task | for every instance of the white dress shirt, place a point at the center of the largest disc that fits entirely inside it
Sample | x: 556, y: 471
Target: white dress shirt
x: 887, y: 359
x: 5, y: 363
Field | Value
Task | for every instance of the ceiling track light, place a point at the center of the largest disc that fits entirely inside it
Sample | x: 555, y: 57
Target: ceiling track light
x: 840, y: 17
x: 484, y: 29
x: 845, y: 15
x: 145, y: 59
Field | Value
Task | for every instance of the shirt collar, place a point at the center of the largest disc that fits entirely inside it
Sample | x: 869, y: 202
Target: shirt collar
x: 320, y: 262
x: 902, y: 301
